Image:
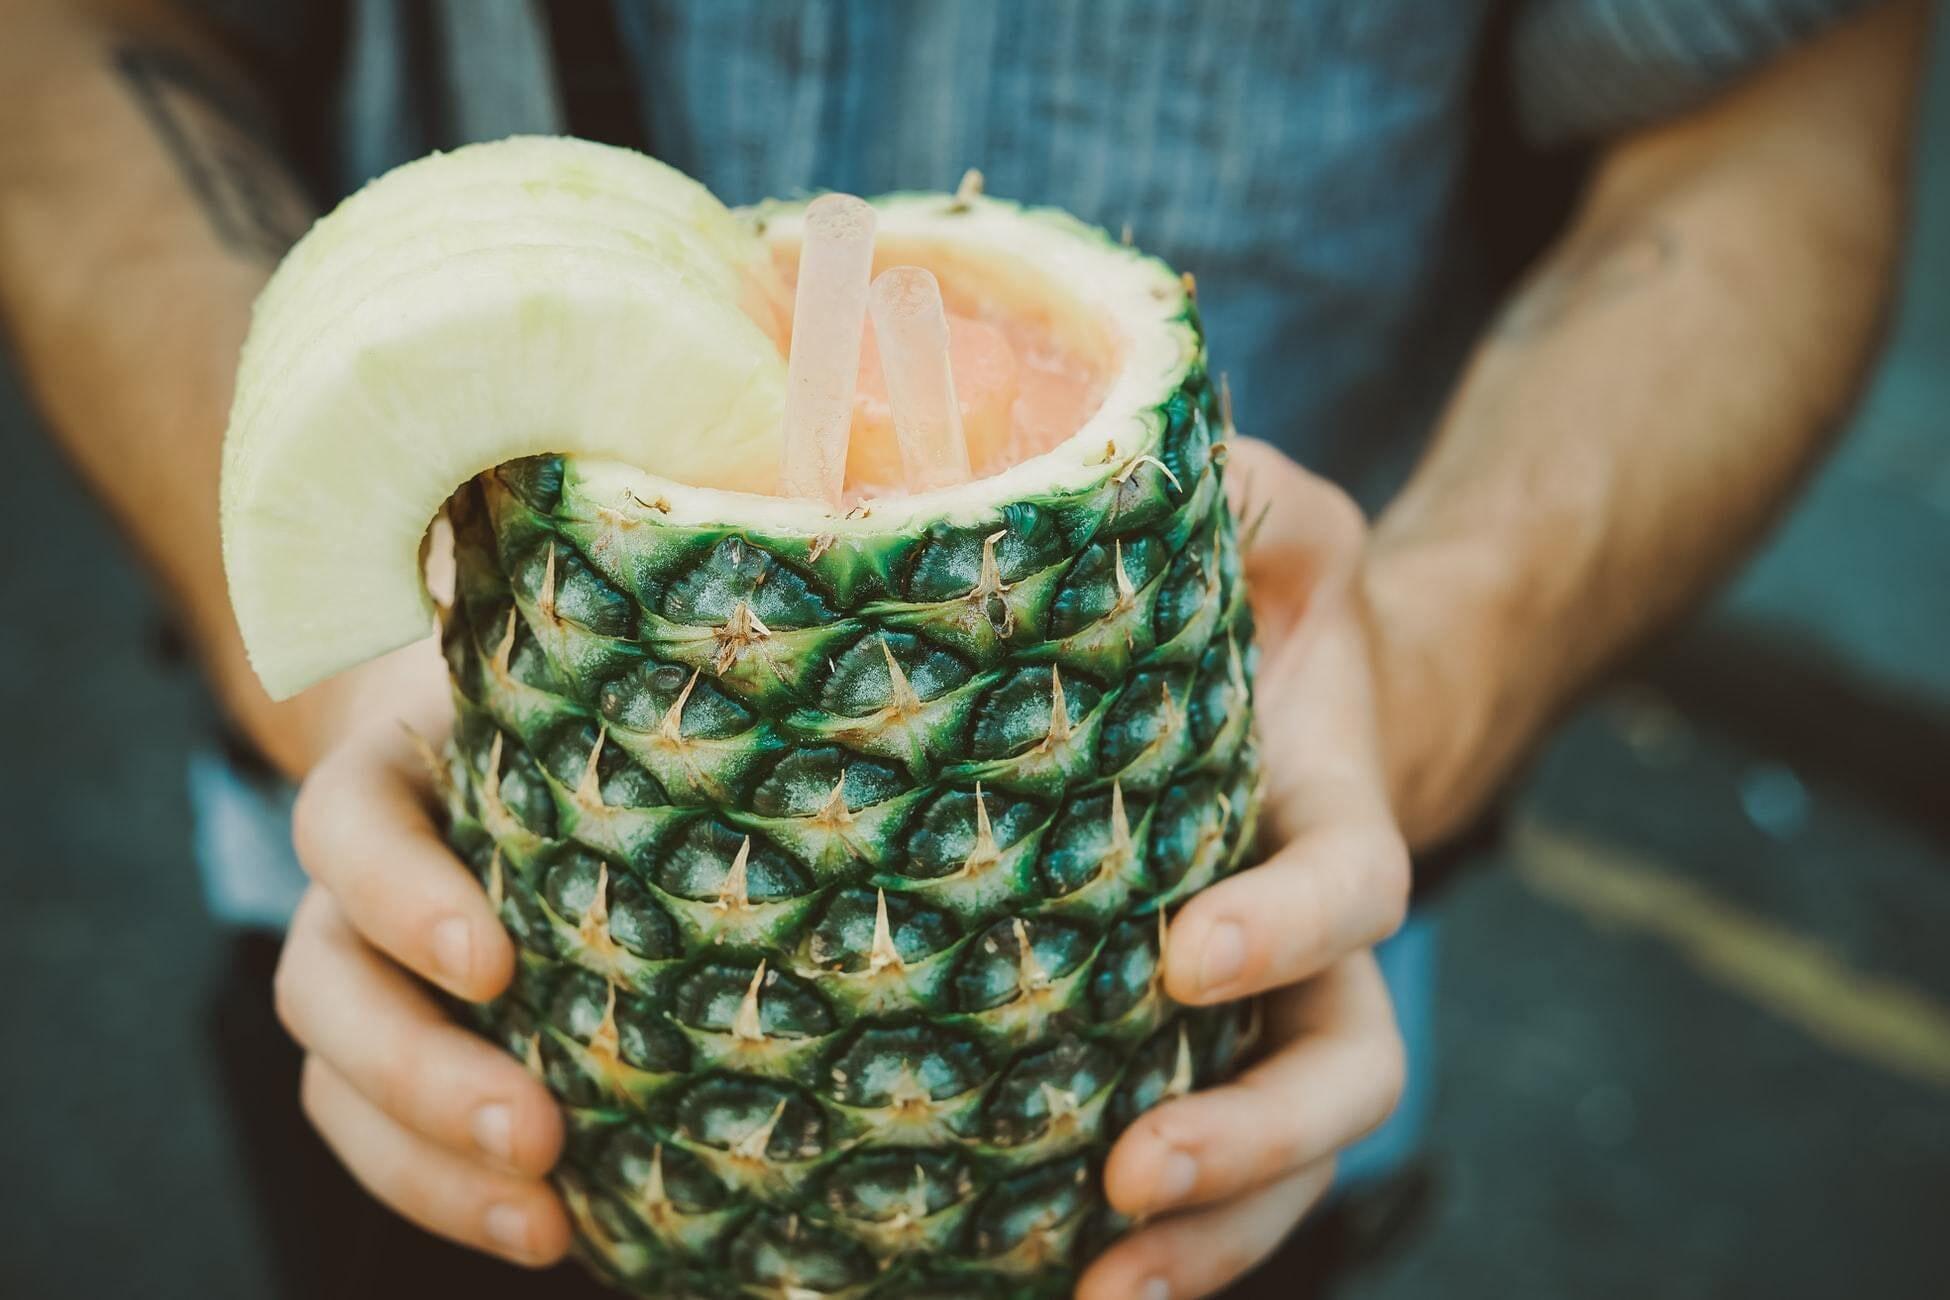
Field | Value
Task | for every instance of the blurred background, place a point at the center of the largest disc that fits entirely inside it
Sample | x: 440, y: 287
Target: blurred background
x: 1694, y: 1030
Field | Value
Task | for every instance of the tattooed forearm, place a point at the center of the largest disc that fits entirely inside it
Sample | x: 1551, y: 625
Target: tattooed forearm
x: 1602, y: 272
x: 218, y: 142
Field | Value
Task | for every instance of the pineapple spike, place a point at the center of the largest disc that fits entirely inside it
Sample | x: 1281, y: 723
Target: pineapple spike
x: 985, y: 852
x: 532, y: 1058
x: 917, y: 1195
x: 743, y: 630
x: 673, y: 722
x: 733, y: 894
x: 1226, y: 426
x: 491, y: 781
x: 1236, y: 669
x: 1120, y: 823
x: 990, y: 586
x: 905, y: 702
x: 969, y: 190
x: 588, y: 791
x: 604, y: 1044
x: 1124, y: 475
x: 1181, y: 1073
x: 1164, y: 934
x: 1255, y: 1025
x: 546, y: 601
x: 834, y: 814
x: 655, y: 1198
x: 745, y: 1026
x: 752, y: 1145
x: 884, y: 955
x: 496, y: 887
x: 1190, y: 282
x: 1127, y: 236
x: 429, y: 757
x: 504, y: 653
x: 990, y: 583
x: 594, y: 927
x: 1030, y: 975
x: 1173, y: 717
x: 1059, y: 711
x: 1126, y: 593
x: 1061, y: 1103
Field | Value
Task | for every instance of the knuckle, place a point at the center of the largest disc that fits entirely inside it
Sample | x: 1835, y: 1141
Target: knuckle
x: 396, y: 1082
x: 407, y: 1182
x: 1346, y: 513
x: 1275, y: 1131
x: 549, y: 1232
x: 1393, y: 880
x: 1390, y: 1076
x: 311, y: 1078
x: 375, y: 903
x: 1386, y: 1077
x: 538, y: 1131
x: 311, y: 817
x: 287, y: 992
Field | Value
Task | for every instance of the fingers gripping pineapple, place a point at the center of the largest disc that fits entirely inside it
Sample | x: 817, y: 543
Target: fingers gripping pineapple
x: 838, y: 838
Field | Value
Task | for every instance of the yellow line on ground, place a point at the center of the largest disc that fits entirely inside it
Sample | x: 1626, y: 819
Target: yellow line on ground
x: 1873, y: 1018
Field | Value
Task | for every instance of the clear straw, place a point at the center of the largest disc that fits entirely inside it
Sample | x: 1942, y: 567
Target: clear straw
x: 911, y: 326
x: 828, y: 317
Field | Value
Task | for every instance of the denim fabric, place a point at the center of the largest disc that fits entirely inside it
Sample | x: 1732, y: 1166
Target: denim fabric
x: 1301, y: 157
x: 1589, y: 68
x: 240, y: 836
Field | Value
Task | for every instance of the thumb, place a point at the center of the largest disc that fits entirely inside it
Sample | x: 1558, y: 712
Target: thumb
x: 1301, y: 537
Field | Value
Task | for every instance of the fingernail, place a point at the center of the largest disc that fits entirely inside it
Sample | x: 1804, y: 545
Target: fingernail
x: 453, y: 950
x: 494, y: 1131
x: 1175, y: 1179
x: 1155, y: 1289
x: 1222, y: 957
x: 507, y: 1228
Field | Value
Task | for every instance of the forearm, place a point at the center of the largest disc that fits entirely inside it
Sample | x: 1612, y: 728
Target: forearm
x: 1641, y: 410
x: 140, y: 212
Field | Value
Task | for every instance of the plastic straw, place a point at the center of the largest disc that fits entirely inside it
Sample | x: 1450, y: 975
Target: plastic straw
x: 911, y: 327
x: 828, y: 316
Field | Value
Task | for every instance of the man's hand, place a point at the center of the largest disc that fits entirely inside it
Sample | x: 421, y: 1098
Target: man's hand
x: 433, y: 1120
x: 1234, y: 1168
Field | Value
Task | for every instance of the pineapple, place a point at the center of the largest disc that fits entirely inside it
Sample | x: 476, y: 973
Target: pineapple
x: 839, y: 847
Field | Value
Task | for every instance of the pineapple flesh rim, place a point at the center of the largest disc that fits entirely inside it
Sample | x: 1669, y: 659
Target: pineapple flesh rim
x: 342, y: 450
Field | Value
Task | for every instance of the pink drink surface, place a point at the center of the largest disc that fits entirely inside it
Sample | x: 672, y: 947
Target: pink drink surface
x: 1020, y: 389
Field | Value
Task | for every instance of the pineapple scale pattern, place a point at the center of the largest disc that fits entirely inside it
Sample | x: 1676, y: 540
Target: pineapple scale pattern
x: 839, y: 866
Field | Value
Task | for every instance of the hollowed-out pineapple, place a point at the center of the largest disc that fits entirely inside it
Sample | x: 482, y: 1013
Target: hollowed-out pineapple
x: 838, y: 846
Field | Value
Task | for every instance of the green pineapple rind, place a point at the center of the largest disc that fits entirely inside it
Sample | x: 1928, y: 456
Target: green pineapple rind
x: 911, y: 1107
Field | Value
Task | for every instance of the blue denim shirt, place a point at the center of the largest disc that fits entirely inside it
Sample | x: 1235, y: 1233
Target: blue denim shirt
x: 1307, y: 160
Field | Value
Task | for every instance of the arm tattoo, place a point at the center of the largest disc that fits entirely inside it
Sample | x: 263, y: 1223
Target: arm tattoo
x: 1600, y: 273
x: 218, y: 142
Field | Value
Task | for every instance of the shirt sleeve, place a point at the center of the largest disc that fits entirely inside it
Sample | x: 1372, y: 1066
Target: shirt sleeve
x: 1586, y: 69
